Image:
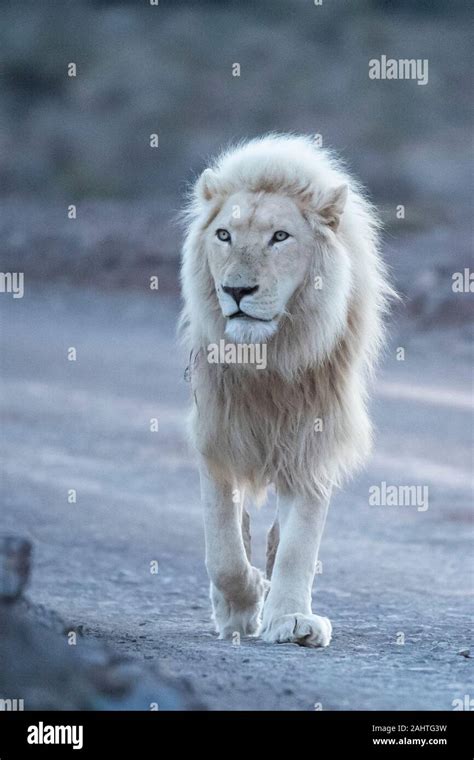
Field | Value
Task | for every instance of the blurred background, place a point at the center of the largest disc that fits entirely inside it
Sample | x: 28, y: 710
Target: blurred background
x: 101, y: 491
x: 167, y: 70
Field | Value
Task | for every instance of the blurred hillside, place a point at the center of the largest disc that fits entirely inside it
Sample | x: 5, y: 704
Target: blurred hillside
x: 168, y: 70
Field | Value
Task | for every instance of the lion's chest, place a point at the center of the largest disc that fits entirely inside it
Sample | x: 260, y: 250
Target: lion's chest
x: 250, y: 420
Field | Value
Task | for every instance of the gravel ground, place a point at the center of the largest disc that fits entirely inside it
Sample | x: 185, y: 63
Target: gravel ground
x: 387, y: 571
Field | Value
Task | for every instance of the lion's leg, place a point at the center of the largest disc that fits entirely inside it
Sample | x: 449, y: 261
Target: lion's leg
x: 287, y: 614
x: 237, y: 588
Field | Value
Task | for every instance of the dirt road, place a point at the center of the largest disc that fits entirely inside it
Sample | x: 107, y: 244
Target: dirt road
x: 390, y: 574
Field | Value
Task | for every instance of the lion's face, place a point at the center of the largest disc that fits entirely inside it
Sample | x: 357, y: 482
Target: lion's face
x: 258, y: 247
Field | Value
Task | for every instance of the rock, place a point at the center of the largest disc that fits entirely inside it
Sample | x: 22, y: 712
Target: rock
x: 39, y: 664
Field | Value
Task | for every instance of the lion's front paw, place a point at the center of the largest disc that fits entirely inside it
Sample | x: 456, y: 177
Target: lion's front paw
x: 305, y: 630
x: 240, y: 614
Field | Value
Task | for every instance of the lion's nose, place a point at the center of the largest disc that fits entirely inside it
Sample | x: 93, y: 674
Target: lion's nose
x: 238, y: 293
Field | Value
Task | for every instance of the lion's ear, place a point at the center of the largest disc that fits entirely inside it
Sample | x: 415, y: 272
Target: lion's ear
x: 332, y: 205
x: 206, y: 184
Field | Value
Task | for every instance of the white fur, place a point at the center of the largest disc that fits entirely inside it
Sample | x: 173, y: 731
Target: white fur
x: 253, y: 427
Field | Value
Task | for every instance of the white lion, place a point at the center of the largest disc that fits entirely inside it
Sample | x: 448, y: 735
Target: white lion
x: 281, y: 249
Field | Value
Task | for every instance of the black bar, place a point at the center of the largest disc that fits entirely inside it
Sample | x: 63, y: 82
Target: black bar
x: 413, y: 734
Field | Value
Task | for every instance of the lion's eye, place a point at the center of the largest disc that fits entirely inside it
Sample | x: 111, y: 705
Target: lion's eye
x: 223, y: 235
x: 279, y: 236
